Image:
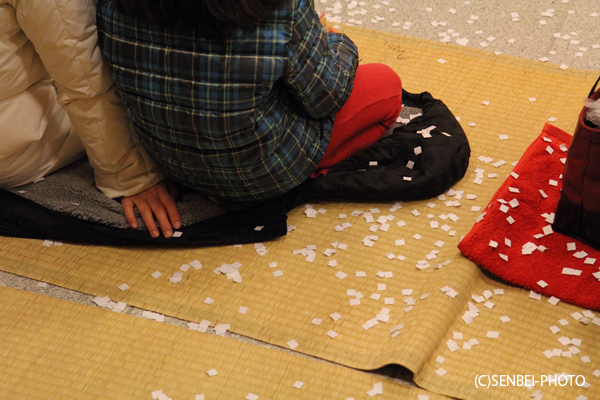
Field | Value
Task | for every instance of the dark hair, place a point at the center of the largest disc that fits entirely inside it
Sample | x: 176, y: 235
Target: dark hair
x: 209, y: 18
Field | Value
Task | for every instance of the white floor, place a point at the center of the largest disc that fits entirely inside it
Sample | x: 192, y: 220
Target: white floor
x: 563, y: 32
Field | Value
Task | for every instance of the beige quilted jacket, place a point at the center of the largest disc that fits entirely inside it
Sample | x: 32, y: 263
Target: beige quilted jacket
x: 58, y: 101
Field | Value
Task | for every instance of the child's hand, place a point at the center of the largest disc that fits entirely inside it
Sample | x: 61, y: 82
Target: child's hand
x: 157, y: 201
x: 326, y: 24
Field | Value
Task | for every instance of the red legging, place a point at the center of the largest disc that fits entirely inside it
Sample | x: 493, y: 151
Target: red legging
x: 370, y: 111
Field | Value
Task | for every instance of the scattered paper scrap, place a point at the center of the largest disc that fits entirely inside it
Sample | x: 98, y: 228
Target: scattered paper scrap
x: 298, y: 384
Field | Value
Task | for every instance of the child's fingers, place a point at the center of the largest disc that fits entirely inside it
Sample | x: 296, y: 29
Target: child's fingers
x: 127, y: 205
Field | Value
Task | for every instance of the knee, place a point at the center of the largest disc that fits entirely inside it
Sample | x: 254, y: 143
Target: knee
x: 385, y: 74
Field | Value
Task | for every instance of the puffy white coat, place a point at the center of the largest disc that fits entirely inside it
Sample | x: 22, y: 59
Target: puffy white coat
x: 58, y: 101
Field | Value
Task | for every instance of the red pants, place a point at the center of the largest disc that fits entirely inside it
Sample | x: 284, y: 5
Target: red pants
x: 370, y: 111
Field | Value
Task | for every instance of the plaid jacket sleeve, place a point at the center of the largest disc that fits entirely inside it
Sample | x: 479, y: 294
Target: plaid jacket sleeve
x: 321, y: 65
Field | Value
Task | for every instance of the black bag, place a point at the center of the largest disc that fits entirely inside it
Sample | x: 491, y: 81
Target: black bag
x: 443, y: 160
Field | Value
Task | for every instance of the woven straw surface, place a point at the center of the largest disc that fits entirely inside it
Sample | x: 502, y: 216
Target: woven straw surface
x: 54, y: 349
x: 282, y: 308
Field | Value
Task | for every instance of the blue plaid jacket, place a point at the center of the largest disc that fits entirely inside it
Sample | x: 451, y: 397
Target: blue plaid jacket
x: 245, y: 119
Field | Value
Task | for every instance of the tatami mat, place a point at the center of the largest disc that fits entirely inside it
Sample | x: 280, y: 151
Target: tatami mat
x: 522, y: 96
x: 54, y: 349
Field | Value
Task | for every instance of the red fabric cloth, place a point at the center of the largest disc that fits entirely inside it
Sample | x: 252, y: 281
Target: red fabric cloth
x: 371, y: 109
x: 535, y: 169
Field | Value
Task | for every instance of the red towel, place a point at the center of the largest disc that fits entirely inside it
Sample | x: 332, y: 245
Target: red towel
x: 540, y: 165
